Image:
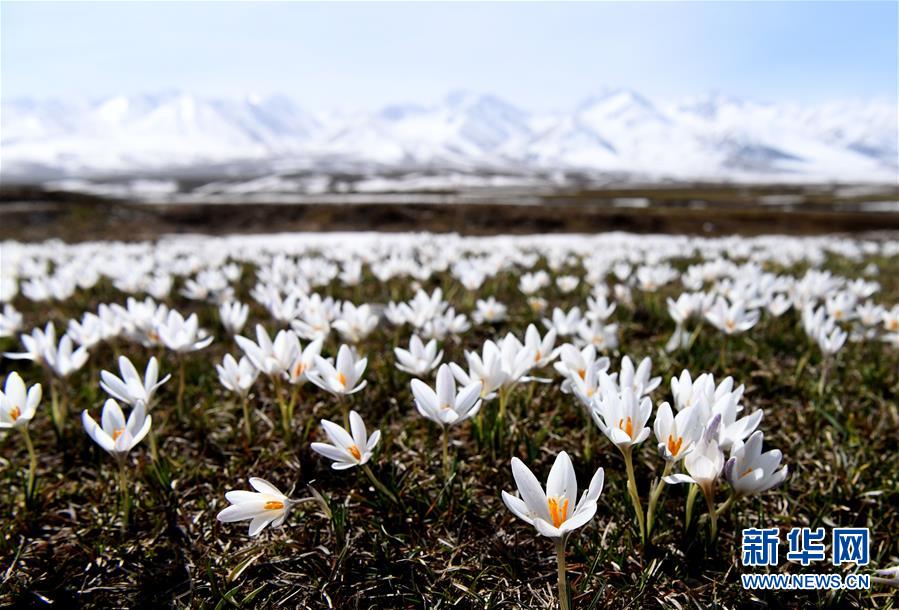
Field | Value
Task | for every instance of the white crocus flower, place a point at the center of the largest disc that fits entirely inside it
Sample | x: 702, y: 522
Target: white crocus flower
x: 676, y: 434
x: 17, y: 406
x: 419, y: 359
x: 489, y: 311
x: 565, y: 324
x: 831, y: 340
x: 445, y: 406
x: 567, y: 283
x: 297, y: 374
x: 639, y: 380
x: 621, y: 415
x: 235, y: 376
x: 488, y: 370
x: 355, y: 323
x: 731, y: 319
x: 63, y: 359
x: 704, y: 465
x: 88, y: 332
x: 181, y: 334
x: 347, y: 449
x: 267, y: 505
x: 117, y: 436
x: 36, y: 344
x: 340, y: 379
x: 273, y: 359
x: 10, y: 321
x: 557, y: 511
x: 749, y: 471
x: 577, y: 364
x: 542, y: 348
x: 130, y: 388
x: 233, y: 316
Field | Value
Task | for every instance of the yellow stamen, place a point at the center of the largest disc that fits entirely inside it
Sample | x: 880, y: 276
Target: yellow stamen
x: 558, y: 513
x: 730, y: 325
x: 628, y: 428
x: 353, y: 449
x: 582, y: 373
x: 674, y: 445
x: 537, y: 356
x: 342, y: 379
x: 14, y: 413
x: 298, y: 370
x: 748, y: 470
x: 273, y: 505
x: 117, y: 433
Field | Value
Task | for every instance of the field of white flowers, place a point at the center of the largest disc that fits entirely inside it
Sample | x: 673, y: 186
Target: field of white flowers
x: 421, y: 420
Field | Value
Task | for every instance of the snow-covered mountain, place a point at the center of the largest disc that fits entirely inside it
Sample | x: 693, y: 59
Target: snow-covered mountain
x: 620, y: 131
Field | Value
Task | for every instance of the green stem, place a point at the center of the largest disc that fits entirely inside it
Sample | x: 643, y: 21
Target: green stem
x: 378, y: 485
x: 123, y: 490
x: 691, y: 500
x: 563, y: 581
x: 503, y: 395
x: 654, y: 496
x: 822, y: 382
x: 180, y: 403
x: 55, y: 416
x: 446, y: 462
x: 727, y: 504
x: 32, y: 461
x: 632, y: 490
x: 713, y: 514
x: 247, y: 424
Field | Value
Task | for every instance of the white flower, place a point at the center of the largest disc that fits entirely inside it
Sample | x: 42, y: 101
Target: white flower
x: 567, y: 283
x: 731, y: 319
x: 10, y: 321
x: 579, y: 366
x: 704, y: 464
x: 130, y: 388
x: 116, y: 436
x: 419, y: 359
x: 267, y: 505
x: 749, y: 471
x: 355, y: 323
x: 342, y: 378
x: 64, y: 360
x: 565, y: 324
x: 638, y: 380
x: 831, y: 340
x: 17, y: 406
x: 233, y: 316
x: 36, y: 344
x: 489, y: 311
x: 676, y: 434
x: 88, y: 332
x: 445, y: 406
x: 487, y: 370
x: 543, y: 349
x: 182, y: 335
x: 345, y: 449
x: 273, y: 359
x: 304, y: 362
x: 556, y: 512
x: 621, y: 416
x: 236, y: 376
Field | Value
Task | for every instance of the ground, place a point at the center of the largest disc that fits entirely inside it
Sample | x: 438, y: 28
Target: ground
x: 449, y: 542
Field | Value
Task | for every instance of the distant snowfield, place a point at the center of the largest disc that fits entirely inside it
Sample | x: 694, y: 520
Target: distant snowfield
x: 466, y: 141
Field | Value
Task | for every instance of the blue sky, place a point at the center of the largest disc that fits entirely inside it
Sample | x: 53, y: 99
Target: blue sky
x: 538, y: 55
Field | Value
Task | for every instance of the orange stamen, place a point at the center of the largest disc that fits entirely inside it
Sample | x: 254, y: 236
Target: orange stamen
x: 558, y: 513
x: 674, y: 446
x: 14, y: 413
x: 117, y: 433
x: 273, y: 505
x: 342, y: 379
x: 628, y: 428
x: 354, y: 450
x: 582, y: 373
